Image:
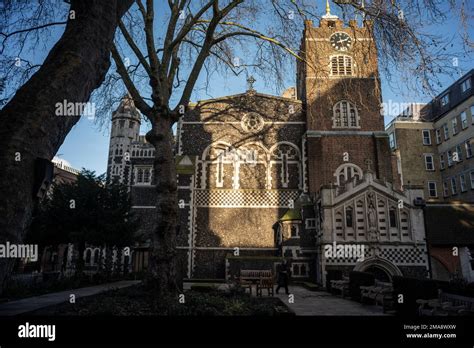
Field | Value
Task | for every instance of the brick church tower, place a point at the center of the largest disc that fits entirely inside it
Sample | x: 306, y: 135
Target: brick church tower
x: 348, y: 159
x: 339, y: 84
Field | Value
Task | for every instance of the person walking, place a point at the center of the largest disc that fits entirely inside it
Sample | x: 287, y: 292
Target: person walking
x: 283, y: 276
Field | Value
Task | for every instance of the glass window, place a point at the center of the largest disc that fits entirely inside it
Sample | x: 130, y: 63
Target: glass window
x: 468, y: 147
x: 441, y: 161
x: 459, y: 155
x: 446, y: 131
x: 466, y: 85
x: 450, y: 158
x: 432, y: 189
x: 472, y: 114
x: 345, y: 115
x: 426, y: 137
x: 393, y: 217
x: 294, y: 231
x: 391, y: 139
x: 349, y: 217
x: 341, y: 65
x: 445, y: 99
x: 438, y: 136
x: 472, y: 179
x: 122, y: 123
x: 445, y: 189
x: 454, y: 123
x: 463, y: 117
x: 429, y: 164
x: 454, y: 188
x: 462, y: 180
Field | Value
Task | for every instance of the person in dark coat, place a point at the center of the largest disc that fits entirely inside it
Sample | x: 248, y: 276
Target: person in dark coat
x: 283, y: 276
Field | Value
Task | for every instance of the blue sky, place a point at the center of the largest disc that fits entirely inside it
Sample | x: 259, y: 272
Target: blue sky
x: 87, y: 144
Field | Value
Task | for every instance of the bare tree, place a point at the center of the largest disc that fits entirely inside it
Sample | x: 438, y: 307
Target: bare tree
x: 207, y: 37
x: 29, y: 128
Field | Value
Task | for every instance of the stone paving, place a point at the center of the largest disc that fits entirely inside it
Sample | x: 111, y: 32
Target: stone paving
x: 33, y: 303
x: 323, y: 303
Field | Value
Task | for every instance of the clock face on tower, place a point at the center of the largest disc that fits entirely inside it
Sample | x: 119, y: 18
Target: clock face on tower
x: 341, y: 41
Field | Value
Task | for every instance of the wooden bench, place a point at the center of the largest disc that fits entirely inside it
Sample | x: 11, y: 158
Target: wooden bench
x: 446, y: 304
x: 263, y: 279
x: 380, y: 294
x: 341, y: 285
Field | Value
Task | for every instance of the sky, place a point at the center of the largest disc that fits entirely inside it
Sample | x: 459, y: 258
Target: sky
x: 86, y: 146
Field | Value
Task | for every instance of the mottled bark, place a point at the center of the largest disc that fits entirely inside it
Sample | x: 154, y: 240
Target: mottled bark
x: 75, y: 66
x: 162, y: 265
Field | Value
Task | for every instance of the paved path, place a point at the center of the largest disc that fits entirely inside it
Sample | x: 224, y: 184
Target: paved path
x: 323, y: 303
x: 33, y: 303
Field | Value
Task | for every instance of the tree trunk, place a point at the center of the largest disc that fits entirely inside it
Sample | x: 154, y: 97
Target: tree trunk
x: 162, y: 265
x: 75, y: 66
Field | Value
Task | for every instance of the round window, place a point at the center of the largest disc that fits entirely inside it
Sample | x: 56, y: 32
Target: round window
x: 252, y: 123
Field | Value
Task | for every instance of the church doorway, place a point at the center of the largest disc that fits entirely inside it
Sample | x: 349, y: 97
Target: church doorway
x: 379, y: 274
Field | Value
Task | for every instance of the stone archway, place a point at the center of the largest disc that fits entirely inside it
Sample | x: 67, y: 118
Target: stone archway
x: 379, y: 267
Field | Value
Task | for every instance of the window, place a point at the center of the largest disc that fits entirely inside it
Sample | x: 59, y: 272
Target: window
x: 130, y: 124
x: 310, y: 223
x: 341, y: 65
x: 345, y: 115
x: 299, y: 269
x: 445, y: 99
x: 294, y: 233
x: 393, y: 217
x: 441, y: 162
x: 458, y: 153
x: 429, y: 164
x: 450, y: 158
x: 438, y: 136
x: 432, y: 189
x: 463, y: 117
x: 454, y: 188
x: 472, y: 179
x: 346, y: 173
x: 445, y: 189
x: 122, y: 123
x: 426, y: 137
x: 468, y: 147
x: 143, y: 176
x: 446, y: 131
x: 454, y: 123
x: 391, y: 140
x: 349, y: 217
x: 472, y: 114
x: 462, y: 180
x: 466, y: 85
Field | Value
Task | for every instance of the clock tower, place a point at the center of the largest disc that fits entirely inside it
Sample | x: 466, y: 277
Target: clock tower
x: 338, y: 82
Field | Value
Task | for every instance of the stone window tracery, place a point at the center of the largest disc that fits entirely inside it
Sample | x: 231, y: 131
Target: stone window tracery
x: 345, y: 115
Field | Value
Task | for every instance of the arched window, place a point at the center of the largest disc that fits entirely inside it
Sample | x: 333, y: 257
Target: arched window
x: 349, y: 217
x: 146, y: 175
x: 345, y: 115
x: 96, y: 256
x: 88, y: 256
x: 341, y: 65
x: 140, y: 175
x: 347, y: 172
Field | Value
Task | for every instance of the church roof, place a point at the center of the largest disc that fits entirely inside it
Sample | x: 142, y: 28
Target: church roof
x: 291, y: 214
x: 247, y: 94
x: 126, y: 109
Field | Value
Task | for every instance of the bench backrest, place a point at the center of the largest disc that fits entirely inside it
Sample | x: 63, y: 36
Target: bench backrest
x: 255, y: 274
x: 458, y: 300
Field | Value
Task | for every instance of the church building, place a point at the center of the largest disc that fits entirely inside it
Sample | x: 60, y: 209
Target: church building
x: 262, y: 177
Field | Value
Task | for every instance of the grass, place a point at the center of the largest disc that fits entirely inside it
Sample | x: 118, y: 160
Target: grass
x: 138, y: 301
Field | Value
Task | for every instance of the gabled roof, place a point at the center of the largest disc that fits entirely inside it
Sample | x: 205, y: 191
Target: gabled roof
x: 291, y: 214
x: 247, y: 94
